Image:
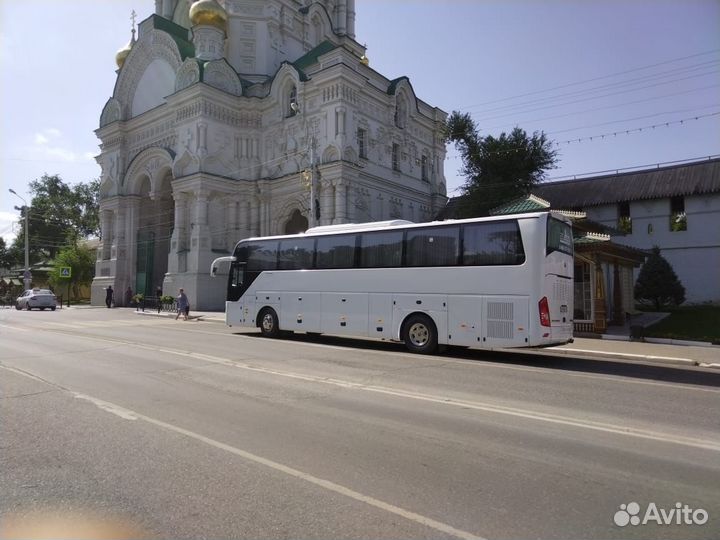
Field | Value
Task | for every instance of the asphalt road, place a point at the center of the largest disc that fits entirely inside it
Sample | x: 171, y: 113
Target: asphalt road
x: 117, y: 425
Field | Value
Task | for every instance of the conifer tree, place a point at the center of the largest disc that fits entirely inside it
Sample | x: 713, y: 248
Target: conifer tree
x: 658, y: 284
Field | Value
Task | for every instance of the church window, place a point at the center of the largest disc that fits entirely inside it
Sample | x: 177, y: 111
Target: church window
x: 292, y: 106
x: 396, y: 157
x: 424, y: 168
x: 362, y: 142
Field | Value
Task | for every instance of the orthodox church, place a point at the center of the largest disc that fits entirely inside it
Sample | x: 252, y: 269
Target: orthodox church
x: 239, y: 118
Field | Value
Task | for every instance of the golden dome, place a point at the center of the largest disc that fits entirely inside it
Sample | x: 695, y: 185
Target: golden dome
x: 122, y: 54
x: 364, y: 60
x: 208, y: 12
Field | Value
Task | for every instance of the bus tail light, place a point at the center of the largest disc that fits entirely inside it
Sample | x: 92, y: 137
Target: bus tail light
x: 544, y: 311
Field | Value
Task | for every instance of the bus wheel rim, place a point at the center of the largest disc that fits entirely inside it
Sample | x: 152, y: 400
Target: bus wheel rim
x: 267, y: 322
x: 419, y: 334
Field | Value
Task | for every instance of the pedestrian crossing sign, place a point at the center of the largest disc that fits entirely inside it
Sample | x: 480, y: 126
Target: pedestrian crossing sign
x: 65, y: 271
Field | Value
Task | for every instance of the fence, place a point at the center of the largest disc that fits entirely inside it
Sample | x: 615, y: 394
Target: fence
x: 155, y: 303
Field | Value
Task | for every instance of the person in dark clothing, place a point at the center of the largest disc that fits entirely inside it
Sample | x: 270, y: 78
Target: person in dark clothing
x: 128, y: 296
x: 109, y: 296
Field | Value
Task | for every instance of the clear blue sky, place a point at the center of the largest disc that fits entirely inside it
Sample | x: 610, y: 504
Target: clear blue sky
x: 508, y: 62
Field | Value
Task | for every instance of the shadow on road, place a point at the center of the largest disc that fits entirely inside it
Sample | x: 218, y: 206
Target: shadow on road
x: 531, y: 358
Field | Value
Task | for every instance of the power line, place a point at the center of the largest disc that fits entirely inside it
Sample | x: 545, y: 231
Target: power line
x: 641, y: 68
x: 598, y: 97
x: 638, y: 129
x: 636, y: 167
x: 619, y: 84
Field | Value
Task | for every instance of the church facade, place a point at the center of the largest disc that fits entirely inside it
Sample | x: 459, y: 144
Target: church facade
x: 240, y: 118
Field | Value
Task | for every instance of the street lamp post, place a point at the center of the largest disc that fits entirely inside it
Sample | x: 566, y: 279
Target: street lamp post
x: 26, y: 274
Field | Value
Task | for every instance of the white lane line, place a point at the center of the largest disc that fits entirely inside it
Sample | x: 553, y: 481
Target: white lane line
x: 296, y: 473
x: 13, y: 328
x: 483, y: 363
x: 443, y: 400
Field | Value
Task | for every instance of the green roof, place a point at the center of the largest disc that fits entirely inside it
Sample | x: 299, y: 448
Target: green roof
x: 311, y: 57
x: 178, y: 33
x: 394, y: 83
x: 530, y: 203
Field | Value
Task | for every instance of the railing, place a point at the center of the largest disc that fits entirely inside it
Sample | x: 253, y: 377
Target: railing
x: 155, y: 303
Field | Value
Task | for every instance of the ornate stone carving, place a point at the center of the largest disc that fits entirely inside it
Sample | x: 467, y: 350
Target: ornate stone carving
x: 220, y: 75
x: 111, y: 112
x: 155, y: 44
x: 188, y: 74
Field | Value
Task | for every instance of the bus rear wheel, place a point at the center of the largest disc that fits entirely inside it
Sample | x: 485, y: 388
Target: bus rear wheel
x: 269, y: 326
x: 420, y: 334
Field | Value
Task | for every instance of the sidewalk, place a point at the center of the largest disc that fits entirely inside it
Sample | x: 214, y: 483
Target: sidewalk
x: 610, y: 347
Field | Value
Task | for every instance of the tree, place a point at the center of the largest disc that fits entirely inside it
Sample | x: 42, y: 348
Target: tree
x: 59, y: 216
x: 5, y: 255
x: 80, y: 259
x: 500, y: 169
x: 657, y: 284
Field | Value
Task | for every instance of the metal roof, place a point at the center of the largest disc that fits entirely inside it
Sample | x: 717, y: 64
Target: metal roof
x: 688, y: 179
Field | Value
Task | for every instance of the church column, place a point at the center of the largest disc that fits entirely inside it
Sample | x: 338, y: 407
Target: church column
x: 341, y: 16
x: 199, y: 255
x: 167, y: 9
x: 106, y: 231
x: 340, y: 202
x: 231, y: 235
x: 254, y: 216
x: 351, y: 18
x: 327, y: 212
x: 178, y: 240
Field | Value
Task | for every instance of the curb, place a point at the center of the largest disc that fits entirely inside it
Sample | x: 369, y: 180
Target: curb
x: 657, y: 341
x: 203, y: 318
x: 630, y: 356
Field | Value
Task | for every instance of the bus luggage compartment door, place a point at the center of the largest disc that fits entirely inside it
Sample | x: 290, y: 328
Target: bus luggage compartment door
x: 345, y: 313
x: 464, y: 320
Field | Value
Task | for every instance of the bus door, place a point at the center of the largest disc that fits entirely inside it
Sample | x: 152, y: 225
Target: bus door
x: 556, y: 306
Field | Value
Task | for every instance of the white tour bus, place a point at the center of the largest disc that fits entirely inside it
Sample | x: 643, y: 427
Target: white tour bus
x: 483, y: 283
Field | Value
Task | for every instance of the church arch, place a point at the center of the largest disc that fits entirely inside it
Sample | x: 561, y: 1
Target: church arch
x: 290, y: 214
x: 330, y: 154
x: 151, y: 162
x: 155, y: 58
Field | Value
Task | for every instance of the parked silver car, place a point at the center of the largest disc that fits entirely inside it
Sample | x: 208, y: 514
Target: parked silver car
x: 36, y: 298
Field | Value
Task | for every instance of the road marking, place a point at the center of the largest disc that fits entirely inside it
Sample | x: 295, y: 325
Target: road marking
x: 484, y: 363
x: 13, y: 328
x: 129, y: 414
x: 443, y: 400
x: 296, y: 473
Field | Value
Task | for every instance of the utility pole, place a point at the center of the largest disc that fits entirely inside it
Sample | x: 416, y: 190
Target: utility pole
x: 314, y: 214
x: 27, y: 278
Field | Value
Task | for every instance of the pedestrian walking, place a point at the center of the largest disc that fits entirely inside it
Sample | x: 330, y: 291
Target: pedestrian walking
x: 109, y: 296
x: 183, y: 305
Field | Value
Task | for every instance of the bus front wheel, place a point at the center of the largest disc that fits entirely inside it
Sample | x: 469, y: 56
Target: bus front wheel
x: 269, y: 323
x: 420, y: 334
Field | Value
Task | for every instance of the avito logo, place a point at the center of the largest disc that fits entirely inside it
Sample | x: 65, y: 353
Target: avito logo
x: 681, y: 514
